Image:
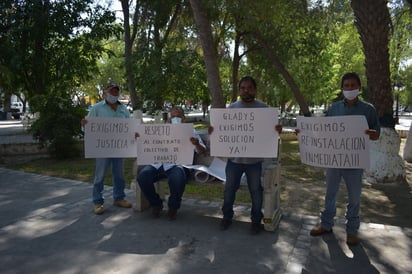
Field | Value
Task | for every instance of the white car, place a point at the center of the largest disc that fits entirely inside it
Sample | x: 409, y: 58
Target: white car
x: 16, y: 109
x: 17, y: 106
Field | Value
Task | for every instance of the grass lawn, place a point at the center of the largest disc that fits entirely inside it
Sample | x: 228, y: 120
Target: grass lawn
x: 82, y: 169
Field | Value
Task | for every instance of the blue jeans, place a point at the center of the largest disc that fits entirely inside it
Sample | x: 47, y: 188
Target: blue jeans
x: 117, y: 179
x: 353, y: 181
x: 234, y: 174
x: 176, y: 178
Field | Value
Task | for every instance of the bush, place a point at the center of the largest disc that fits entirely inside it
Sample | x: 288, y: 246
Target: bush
x: 58, y: 126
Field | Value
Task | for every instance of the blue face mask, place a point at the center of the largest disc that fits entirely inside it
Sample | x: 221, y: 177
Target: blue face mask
x: 111, y: 98
x: 176, y: 120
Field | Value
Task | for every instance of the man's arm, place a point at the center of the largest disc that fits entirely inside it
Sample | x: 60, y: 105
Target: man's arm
x: 200, y: 147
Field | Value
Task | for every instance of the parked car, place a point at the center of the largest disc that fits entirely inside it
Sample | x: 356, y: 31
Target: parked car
x: 16, y: 109
x: 17, y: 106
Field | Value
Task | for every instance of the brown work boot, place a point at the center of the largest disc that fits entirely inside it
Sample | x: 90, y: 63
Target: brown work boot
x: 171, y: 214
x: 122, y: 203
x: 319, y: 230
x: 98, y: 209
x: 352, y: 239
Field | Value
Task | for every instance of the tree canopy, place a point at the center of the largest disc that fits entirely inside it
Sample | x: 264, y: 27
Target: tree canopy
x: 297, y: 50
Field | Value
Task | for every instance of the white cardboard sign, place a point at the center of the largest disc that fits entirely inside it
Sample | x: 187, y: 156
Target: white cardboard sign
x: 244, y: 132
x: 110, y: 137
x: 334, y: 142
x: 165, y: 144
x: 216, y: 169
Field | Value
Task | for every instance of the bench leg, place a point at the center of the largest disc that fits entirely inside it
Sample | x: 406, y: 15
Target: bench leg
x: 271, y: 198
x: 141, y: 202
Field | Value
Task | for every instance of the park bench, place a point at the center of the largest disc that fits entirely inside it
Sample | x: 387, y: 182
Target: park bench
x: 270, y: 179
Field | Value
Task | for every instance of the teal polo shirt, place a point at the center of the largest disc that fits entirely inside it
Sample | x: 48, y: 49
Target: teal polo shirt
x: 358, y: 108
x: 103, y: 109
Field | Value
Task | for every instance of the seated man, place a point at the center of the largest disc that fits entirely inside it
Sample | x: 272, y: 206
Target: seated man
x: 176, y: 175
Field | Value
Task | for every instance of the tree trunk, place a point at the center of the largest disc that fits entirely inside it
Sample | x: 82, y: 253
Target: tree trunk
x: 386, y: 164
x: 235, y: 68
x: 286, y: 75
x: 407, y: 150
x: 210, y: 52
x: 128, y: 44
x: 372, y: 20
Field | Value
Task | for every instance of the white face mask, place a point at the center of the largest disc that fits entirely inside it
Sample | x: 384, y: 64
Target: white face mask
x: 350, y: 94
x: 111, y: 98
x: 176, y: 120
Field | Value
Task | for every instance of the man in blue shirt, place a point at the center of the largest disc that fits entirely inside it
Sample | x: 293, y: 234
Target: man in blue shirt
x: 109, y: 107
x: 175, y: 174
x: 350, y: 105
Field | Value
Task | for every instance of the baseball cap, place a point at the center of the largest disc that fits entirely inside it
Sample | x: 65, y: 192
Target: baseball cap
x: 112, y: 85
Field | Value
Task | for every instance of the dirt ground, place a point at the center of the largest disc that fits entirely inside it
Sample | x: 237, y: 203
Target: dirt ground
x: 389, y: 204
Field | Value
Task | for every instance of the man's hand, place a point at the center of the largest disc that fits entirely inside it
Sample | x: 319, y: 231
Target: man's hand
x: 278, y: 128
x: 83, y: 122
x: 194, y: 141
x: 200, y: 149
x: 373, y: 134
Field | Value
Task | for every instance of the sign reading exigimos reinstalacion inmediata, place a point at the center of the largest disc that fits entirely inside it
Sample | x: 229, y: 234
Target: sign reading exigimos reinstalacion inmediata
x: 334, y: 142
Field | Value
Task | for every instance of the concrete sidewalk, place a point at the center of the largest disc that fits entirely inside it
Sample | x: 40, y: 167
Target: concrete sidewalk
x: 47, y: 226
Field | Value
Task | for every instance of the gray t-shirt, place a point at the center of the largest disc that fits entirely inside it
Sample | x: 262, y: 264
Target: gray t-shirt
x: 240, y: 104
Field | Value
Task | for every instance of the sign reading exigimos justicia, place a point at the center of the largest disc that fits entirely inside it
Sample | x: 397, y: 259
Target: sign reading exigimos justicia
x: 110, y: 137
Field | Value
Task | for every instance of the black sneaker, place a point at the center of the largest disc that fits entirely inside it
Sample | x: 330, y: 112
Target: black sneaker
x: 224, y: 224
x: 255, y: 228
x: 171, y: 214
x: 156, y: 211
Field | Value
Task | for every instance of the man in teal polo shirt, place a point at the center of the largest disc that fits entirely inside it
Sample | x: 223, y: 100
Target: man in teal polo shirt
x: 109, y: 107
